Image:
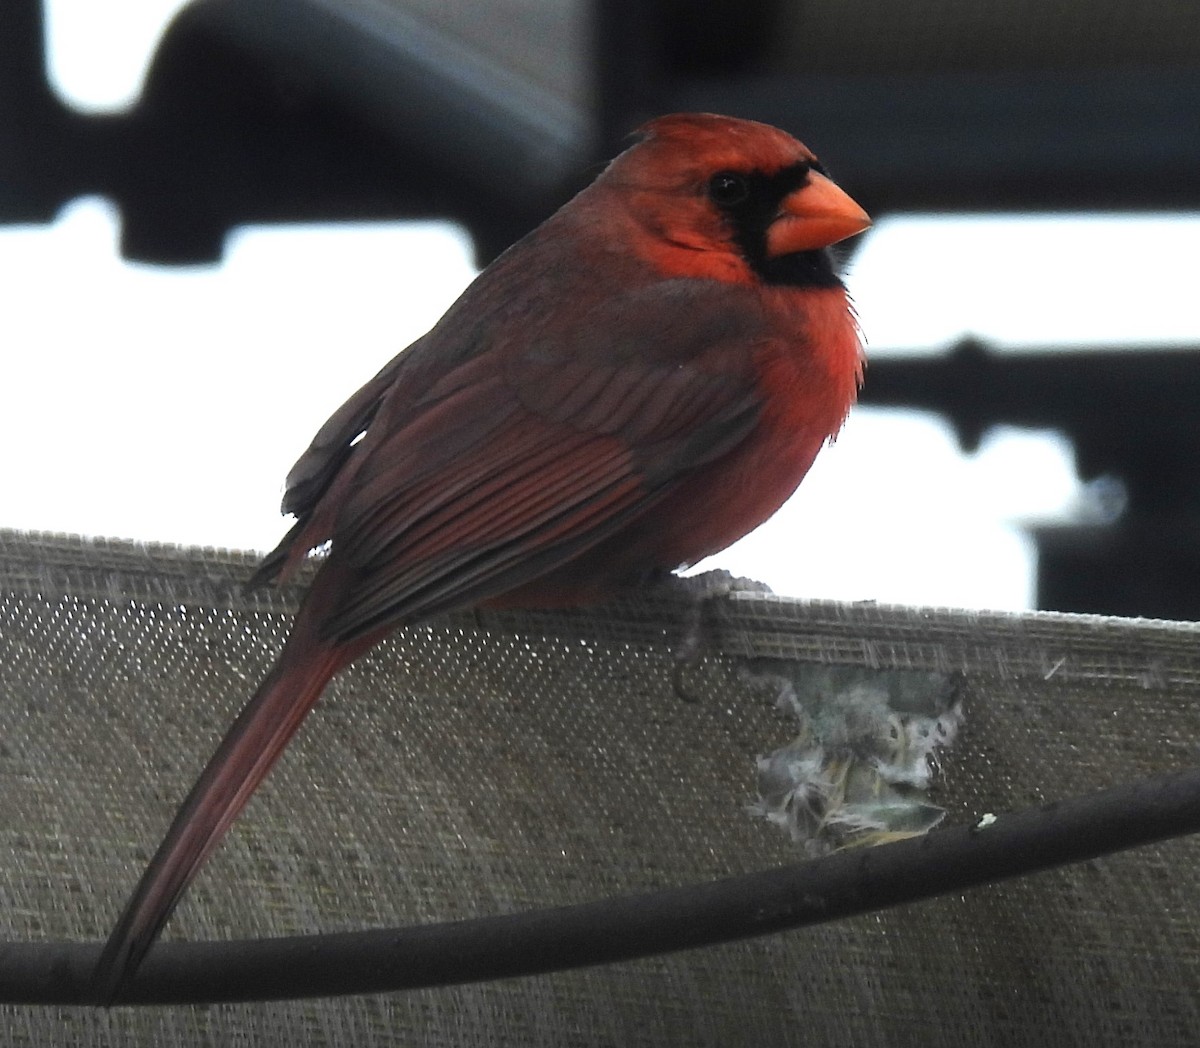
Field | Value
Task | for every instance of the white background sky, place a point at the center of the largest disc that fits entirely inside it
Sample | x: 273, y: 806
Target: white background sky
x: 168, y: 404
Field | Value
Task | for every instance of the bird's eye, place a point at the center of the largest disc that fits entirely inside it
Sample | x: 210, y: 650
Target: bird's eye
x: 728, y: 189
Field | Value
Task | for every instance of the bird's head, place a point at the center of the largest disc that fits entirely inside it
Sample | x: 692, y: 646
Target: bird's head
x: 732, y: 199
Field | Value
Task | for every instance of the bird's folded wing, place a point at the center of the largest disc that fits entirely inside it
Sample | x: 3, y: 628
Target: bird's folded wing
x: 507, y: 470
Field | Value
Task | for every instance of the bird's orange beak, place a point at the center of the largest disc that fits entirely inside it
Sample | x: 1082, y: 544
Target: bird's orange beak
x: 814, y: 216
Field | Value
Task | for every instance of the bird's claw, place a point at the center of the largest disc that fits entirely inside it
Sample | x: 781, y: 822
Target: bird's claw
x: 702, y: 590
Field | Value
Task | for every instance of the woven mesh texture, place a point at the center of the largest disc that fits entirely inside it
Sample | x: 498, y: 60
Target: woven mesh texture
x: 486, y: 764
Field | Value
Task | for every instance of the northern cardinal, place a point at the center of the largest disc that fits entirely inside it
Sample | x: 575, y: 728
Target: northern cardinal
x: 633, y: 386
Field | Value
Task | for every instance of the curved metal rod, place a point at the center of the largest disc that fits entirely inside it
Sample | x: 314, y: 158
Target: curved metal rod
x: 840, y: 885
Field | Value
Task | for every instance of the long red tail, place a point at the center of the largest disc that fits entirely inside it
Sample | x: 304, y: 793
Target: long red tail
x: 249, y: 750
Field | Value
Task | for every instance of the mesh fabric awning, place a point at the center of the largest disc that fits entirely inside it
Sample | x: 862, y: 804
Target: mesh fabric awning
x: 497, y: 763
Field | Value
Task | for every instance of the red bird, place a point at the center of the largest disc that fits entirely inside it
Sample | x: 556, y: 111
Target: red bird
x: 633, y: 386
